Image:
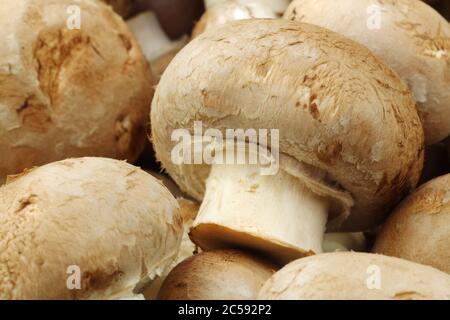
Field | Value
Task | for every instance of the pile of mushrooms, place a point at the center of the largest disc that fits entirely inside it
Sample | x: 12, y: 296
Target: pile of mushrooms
x: 348, y: 196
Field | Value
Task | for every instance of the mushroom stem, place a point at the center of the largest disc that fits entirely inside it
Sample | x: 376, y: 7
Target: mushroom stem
x: 276, y: 215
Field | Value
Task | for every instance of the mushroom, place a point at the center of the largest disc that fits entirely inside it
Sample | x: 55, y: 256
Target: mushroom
x: 158, y: 48
x: 277, y: 6
x: 189, y: 210
x: 350, y: 138
x: 217, y: 275
x: 422, y: 59
x: 69, y: 92
x: 86, y: 228
x: 231, y: 10
x: 356, y: 276
x: 125, y: 8
x: 350, y: 241
x: 419, y: 229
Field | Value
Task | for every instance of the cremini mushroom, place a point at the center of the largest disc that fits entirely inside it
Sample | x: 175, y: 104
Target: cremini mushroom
x: 420, y: 36
x: 231, y: 10
x: 419, y: 229
x: 217, y: 275
x: 356, y: 276
x: 158, y: 48
x: 350, y: 139
x: 276, y: 6
x: 69, y: 90
x: 85, y: 228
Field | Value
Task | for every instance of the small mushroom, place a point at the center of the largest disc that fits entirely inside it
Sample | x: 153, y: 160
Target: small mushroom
x: 350, y: 138
x: 277, y: 6
x: 86, y: 228
x: 420, y: 36
x: 158, y: 48
x: 231, y: 10
x: 67, y: 91
x: 217, y: 275
x: 419, y: 229
x: 356, y: 276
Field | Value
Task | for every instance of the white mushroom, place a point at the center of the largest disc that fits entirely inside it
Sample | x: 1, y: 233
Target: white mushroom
x: 277, y: 6
x: 158, y: 48
x: 231, y: 10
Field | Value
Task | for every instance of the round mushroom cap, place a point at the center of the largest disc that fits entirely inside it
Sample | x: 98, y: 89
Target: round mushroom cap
x: 356, y: 276
x: 422, y: 59
x: 100, y: 223
x: 347, y: 123
x: 231, y: 10
x: 69, y: 92
x: 419, y: 229
x: 217, y: 275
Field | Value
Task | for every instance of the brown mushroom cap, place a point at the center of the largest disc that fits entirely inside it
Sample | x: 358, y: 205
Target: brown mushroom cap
x: 217, y: 275
x: 340, y: 110
x: 420, y: 36
x: 354, y: 276
x: 419, y: 229
x: 118, y: 224
x: 68, y: 93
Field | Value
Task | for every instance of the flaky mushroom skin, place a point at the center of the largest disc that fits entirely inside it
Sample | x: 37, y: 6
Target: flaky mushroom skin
x: 338, y: 107
x: 118, y: 224
x: 217, y: 275
x: 69, y: 93
x: 420, y: 36
x: 419, y: 229
x: 353, y: 276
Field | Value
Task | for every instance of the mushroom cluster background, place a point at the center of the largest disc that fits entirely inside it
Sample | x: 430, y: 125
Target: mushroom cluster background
x: 136, y: 138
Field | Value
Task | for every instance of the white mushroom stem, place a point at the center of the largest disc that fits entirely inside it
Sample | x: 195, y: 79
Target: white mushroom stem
x: 151, y: 37
x: 275, y: 214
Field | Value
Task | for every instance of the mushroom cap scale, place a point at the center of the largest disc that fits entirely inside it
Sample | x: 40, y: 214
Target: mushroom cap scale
x: 68, y: 92
x: 356, y: 276
x: 419, y: 229
x: 339, y: 109
x: 113, y: 221
x: 422, y: 59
